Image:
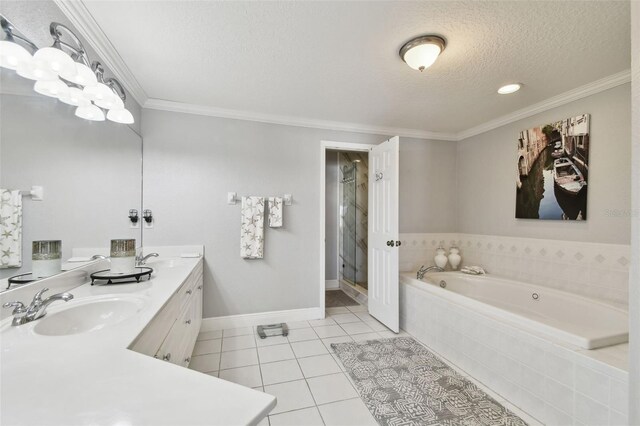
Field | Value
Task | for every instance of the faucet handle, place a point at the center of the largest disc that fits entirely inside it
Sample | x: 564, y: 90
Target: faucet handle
x: 19, y: 307
x: 38, y: 297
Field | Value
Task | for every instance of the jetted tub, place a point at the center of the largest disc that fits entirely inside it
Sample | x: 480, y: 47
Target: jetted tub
x: 562, y: 316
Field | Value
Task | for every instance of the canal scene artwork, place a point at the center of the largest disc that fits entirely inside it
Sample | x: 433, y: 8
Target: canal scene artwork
x: 553, y: 170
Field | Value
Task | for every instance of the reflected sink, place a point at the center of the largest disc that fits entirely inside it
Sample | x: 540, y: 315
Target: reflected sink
x: 87, y: 316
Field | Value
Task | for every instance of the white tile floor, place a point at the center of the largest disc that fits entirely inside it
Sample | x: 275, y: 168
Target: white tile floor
x: 301, y: 370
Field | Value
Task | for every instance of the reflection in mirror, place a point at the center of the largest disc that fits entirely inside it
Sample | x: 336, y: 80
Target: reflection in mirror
x: 89, y: 173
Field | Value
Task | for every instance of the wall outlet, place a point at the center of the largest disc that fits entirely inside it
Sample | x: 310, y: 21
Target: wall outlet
x: 147, y: 225
x: 134, y: 225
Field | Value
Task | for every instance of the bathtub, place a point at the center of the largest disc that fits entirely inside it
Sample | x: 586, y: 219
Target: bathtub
x: 560, y: 316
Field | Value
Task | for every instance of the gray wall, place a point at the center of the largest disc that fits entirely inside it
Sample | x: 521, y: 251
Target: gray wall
x: 634, y: 281
x: 91, y: 174
x: 427, y: 186
x: 192, y: 161
x: 332, y: 176
x: 487, y: 172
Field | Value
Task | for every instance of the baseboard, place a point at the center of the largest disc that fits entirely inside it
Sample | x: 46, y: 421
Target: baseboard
x: 248, y: 320
x: 331, y: 285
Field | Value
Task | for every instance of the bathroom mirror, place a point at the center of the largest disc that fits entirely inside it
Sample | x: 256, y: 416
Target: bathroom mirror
x: 90, y: 174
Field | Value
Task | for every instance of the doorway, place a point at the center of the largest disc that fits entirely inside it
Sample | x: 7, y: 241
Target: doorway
x: 344, y: 200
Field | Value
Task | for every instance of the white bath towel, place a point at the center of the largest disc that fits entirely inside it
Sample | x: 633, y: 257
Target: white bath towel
x: 10, y: 229
x: 275, y: 212
x: 252, y: 228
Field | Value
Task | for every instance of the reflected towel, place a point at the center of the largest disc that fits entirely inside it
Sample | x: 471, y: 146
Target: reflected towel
x: 10, y: 229
x: 275, y: 212
x: 252, y: 228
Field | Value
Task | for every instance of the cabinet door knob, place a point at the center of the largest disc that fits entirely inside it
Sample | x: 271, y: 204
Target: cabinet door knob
x: 187, y: 359
x: 167, y: 357
x: 199, y: 287
x: 189, y: 291
x: 188, y: 321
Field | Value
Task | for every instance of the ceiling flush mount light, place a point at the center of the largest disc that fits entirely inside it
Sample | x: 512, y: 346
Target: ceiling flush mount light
x: 509, y: 88
x: 63, y: 71
x: 421, y: 52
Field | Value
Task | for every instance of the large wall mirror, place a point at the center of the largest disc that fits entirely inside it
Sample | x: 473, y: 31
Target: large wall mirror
x: 90, y: 173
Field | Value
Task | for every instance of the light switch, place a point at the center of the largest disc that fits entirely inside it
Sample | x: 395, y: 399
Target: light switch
x: 231, y: 197
x: 288, y: 199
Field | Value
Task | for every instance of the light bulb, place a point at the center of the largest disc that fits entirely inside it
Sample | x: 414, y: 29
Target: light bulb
x: 509, y: 88
x: 75, y: 97
x: 99, y: 92
x: 82, y: 75
x: 90, y: 112
x: 12, y: 54
x: 112, y: 102
x: 120, y: 116
x: 53, y: 88
x: 422, y: 57
x: 55, y: 60
x: 34, y: 70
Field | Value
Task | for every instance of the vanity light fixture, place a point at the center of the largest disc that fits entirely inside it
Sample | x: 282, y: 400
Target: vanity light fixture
x: 421, y: 52
x: 509, y: 88
x: 64, y: 71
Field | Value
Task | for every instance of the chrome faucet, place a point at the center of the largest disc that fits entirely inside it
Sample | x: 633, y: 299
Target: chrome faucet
x: 422, y: 271
x: 140, y: 260
x: 37, y: 309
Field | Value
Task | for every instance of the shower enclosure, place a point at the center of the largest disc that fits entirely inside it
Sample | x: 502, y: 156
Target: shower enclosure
x: 353, y: 218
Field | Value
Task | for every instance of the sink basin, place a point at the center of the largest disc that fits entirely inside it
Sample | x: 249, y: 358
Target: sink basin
x: 84, y: 317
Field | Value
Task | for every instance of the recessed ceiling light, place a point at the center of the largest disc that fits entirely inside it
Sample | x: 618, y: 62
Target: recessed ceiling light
x: 509, y: 88
x: 421, y: 52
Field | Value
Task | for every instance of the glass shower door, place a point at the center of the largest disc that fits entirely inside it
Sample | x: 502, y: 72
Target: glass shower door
x: 348, y: 219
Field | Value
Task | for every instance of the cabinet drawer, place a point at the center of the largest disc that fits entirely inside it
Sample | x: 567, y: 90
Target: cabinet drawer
x: 154, y: 334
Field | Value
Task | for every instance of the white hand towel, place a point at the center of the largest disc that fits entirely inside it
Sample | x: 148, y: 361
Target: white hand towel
x: 10, y: 229
x: 252, y: 228
x: 275, y: 212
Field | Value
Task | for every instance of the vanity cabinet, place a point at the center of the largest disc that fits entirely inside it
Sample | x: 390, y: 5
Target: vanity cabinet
x: 172, y: 333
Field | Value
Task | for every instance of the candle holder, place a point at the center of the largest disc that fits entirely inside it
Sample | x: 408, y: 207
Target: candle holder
x: 123, y: 256
x: 46, y: 257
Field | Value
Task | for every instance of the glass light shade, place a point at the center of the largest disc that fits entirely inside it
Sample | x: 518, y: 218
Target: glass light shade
x: 53, y: 88
x: 120, y: 116
x: 55, y: 60
x: 509, y: 88
x: 35, y: 70
x: 112, y: 102
x: 422, y: 56
x: 90, y: 112
x: 75, y: 97
x: 82, y: 75
x: 99, y: 92
x: 12, y: 54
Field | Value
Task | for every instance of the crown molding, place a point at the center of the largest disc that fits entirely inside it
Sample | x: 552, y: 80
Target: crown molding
x: 164, y: 105
x: 588, y: 89
x: 81, y: 18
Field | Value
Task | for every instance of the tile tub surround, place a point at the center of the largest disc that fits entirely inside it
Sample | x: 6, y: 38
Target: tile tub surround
x: 555, y: 384
x: 594, y: 270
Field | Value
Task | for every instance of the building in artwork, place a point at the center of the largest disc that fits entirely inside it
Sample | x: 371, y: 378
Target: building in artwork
x: 575, y: 140
x: 531, y: 143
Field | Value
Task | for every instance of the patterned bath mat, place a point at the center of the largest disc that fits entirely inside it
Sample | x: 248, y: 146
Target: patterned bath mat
x: 403, y: 384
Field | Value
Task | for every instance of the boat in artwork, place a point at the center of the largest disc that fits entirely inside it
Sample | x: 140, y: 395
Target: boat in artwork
x: 558, y: 151
x: 567, y: 177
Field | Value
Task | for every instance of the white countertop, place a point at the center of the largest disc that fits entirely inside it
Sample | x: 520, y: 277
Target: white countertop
x: 92, y: 378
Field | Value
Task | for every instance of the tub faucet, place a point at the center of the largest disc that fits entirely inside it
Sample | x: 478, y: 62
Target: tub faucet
x: 422, y: 271
x: 37, y: 309
x: 142, y: 260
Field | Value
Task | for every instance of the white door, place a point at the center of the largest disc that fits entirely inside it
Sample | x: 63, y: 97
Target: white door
x: 383, y: 233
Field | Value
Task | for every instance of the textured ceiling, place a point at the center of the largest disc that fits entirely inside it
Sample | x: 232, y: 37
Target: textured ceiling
x: 338, y: 61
